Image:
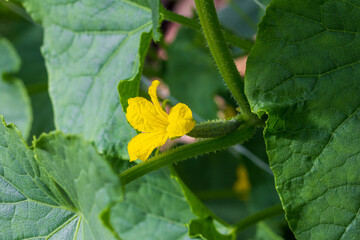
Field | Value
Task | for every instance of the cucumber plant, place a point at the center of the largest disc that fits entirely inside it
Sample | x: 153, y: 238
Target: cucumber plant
x: 64, y: 162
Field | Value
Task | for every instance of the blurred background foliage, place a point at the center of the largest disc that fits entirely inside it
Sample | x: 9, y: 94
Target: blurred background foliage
x: 233, y: 183
x: 26, y: 36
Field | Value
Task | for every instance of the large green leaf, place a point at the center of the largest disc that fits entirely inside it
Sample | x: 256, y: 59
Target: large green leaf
x: 89, y: 47
x: 304, y: 72
x: 14, y: 100
x: 64, y: 194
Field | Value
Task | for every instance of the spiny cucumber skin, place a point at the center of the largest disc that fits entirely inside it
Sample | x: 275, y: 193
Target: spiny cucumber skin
x: 215, y: 128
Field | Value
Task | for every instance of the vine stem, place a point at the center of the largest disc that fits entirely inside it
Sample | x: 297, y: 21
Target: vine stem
x: 220, y: 51
x: 257, y: 217
x: 243, y: 43
x: 244, y: 132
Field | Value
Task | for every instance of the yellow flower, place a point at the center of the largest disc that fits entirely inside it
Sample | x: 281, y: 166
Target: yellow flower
x: 155, y: 124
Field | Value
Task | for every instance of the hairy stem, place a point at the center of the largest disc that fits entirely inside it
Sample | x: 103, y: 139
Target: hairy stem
x: 220, y: 51
x: 243, y: 43
x: 215, y: 128
x: 257, y: 217
x: 187, y: 151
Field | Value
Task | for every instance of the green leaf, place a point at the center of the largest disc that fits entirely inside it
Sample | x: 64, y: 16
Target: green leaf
x: 14, y: 100
x: 64, y: 194
x: 89, y: 47
x: 304, y: 72
x: 154, y: 208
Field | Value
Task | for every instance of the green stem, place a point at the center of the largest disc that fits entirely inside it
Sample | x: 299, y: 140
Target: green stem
x: 257, y: 217
x: 187, y: 151
x: 220, y: 51
x: 243, y: 43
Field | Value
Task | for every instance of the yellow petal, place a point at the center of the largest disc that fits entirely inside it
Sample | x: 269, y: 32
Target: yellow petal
x: 143, y: 116
x: 180, y: 121
x: 152, y: 92
x: 142, y: 145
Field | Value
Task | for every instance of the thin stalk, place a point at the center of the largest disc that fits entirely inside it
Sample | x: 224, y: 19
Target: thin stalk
x: 220, y: 51
x: 257, y: 217
x: 243, y: 43
x: 174, y: 17
x: 187, y: 151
